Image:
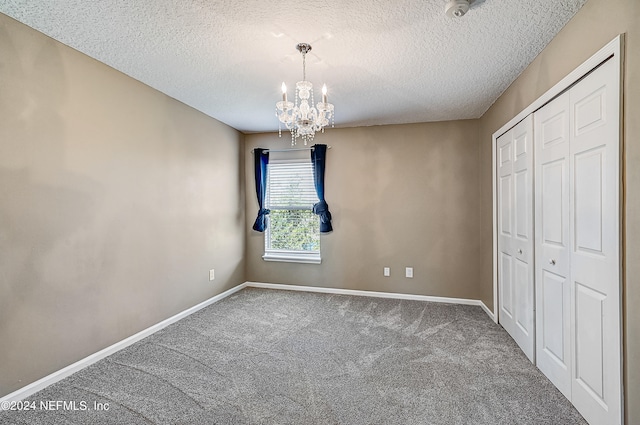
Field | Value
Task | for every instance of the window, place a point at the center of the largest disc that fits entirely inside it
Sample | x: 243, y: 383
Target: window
x: 293, y: 233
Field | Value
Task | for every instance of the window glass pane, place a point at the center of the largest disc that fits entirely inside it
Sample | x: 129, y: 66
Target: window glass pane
x: 295, y: 230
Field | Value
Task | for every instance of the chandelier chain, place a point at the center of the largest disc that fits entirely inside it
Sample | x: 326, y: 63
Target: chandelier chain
x: 304, y: 66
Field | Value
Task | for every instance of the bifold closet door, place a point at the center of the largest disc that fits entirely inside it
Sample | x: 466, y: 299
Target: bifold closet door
x: 552, y: 251
x: 595, y: 246
x: 578, y: 245
x: 515, y: 235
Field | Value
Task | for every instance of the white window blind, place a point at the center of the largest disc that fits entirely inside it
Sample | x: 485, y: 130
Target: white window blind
x: 293, y: 233
x: 290, y: 186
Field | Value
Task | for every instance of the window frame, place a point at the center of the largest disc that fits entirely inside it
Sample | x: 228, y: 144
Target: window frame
x: 281, y: 255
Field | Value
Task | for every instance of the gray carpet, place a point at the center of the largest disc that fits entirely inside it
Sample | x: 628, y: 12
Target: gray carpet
x: 279, y: 357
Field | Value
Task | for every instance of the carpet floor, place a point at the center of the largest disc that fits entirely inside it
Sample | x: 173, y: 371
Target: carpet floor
x: 280, y: 357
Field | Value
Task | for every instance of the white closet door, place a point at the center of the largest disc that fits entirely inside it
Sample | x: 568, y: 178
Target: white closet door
x: 515, y: 240
x: 552, y: 271
x: 595, y: 246
x: 505, y: 232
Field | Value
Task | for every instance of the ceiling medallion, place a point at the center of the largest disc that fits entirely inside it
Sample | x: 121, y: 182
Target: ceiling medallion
x: 301, y: 118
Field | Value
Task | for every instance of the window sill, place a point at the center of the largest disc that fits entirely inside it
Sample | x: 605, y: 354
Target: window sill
x: 293, y: 258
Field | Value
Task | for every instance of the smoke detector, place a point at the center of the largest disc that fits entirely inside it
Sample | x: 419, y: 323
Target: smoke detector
x: 457, y: 8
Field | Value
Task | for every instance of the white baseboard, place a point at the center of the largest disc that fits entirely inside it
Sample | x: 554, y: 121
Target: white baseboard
x: 489, y: 312
x: 392, y: 295
x: 40, y: 384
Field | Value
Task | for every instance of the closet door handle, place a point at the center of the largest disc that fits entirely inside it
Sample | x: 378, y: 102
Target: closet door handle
x: 519, y: 251
x: 552, y: 262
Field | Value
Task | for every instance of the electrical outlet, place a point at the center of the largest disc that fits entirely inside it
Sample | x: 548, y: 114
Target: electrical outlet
x: 408, y: 272
x: 387, y: 271
x: 212, y: 274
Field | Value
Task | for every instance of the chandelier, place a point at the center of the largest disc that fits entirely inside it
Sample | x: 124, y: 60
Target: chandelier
x: 301, y: 118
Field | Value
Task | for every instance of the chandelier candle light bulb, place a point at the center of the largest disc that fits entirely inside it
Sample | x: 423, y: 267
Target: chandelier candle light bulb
x: 300, y: 117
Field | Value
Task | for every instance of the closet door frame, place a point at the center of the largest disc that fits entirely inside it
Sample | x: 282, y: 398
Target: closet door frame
x: 613, y: 51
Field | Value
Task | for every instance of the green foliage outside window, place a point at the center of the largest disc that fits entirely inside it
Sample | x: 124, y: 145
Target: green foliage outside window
x: 296, y: 230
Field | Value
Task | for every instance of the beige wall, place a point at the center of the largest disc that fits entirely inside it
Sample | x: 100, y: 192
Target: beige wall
x: 400, y: 195
x: 115, y: 201
x: 597, y: 23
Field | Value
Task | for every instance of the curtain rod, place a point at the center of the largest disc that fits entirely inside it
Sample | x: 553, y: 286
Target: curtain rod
x: 289, y: 150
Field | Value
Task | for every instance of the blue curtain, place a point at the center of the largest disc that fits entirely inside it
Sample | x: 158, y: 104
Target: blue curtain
x: 318, y: 160
x: 261, y: 159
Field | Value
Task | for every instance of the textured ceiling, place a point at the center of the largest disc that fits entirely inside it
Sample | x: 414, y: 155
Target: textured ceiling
x: 383, y: 62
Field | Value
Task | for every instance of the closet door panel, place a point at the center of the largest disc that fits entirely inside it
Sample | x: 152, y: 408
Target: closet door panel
x: 589, y: 175
x: 553, y: 339
x: 595, y: 246
x: 524, y: 313
x: 505, y: 232
x: 554, y: 203
x: 504, y: 209
x: 589, y: 368
x: 506, y: 293
x: 515, y: 234
x: 523, y: 236
x: 553, y: 298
